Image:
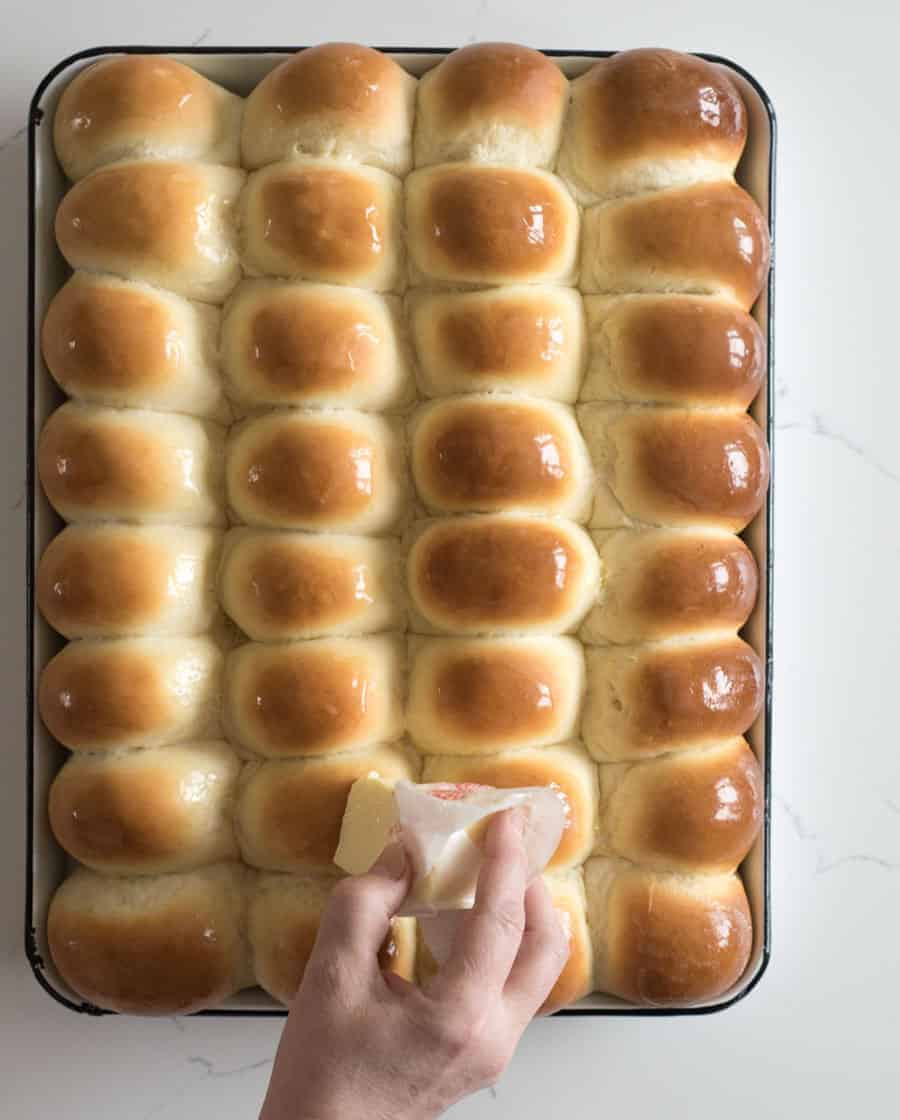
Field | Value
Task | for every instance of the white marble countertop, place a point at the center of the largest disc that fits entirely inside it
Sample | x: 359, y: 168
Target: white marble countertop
x: 820, y: 1036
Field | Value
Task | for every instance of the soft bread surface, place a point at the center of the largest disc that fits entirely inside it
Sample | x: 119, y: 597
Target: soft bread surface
x: 577, y: 977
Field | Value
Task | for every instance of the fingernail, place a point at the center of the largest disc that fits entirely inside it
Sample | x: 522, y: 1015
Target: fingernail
x: 519, y: 820
x: 392, y: 862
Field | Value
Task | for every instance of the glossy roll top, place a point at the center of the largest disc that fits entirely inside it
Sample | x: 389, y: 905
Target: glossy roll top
x: 314, y: 345
x: 315, y: 697
x: 147, y: 812
x: 336, y: 99
x: 474, y: 224
x: 340, y: 471
x: 485, y: 454
x: 168, y: 223
x: 324, y: 220
x: 491, y: 102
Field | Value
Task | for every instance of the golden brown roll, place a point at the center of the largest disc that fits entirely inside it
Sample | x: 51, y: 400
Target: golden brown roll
x: 324, y: 220
x: 279, y: 586
x: 101, y: 464
x: 98, y: 695
x: 111, y: 581
x: 336, y: 99
x: 138, y: 106
x: 147, y: 812
x: 679, y: 467
x: 672, y: 349
x: 486, y: 454
x: 693, y: 812
x: 317, y: 697
x: 335, y: 471
x: 664, y: 939
x: 289, y: 812
x: 503, y: 573
x: 283, y: 921
x: 521, y: 338
x: 577, y: 977
x: 168, y: 223
x: 479, y: 696
x: 491, y: 102
x: 121, y: 343
x: 479, y: 224
x: 567, y: 768
x: 314, y: 345
x: 643, y: 701
x: 706, y: 239
x: 151, y: 945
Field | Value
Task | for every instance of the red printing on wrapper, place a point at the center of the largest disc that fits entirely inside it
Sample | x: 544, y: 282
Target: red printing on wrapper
x: 456, y: 792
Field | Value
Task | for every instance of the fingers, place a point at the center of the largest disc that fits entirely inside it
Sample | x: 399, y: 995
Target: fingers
x: 542, y: 956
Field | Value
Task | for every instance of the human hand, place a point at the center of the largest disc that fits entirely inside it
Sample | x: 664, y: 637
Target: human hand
x: 360, y: 1042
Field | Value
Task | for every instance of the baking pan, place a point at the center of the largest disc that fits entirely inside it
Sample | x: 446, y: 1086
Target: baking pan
x: 240, y: 69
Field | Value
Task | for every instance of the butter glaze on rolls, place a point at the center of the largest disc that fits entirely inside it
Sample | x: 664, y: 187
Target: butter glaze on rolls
x: 478, y: 224
x: 479, y: 696
x: 338, y: 99
x: 110, y: 581
x: 314, y: 345
x: 520, y: 338
x: 101, y: 464
x: 289, y: 812
x: 315, y: 698
x: 152, y: 945
x: 166, y: 223
x: 679, y: 467
x: 502, y: 573
x: 98, y: 695
x: 278, y: 586
x: 672, y: 349
x: 644, y: 120
x: 643, y: 701
x: 324, y: 220
x: 664, y: 583
x: 485, y: 454
x: 664, y: 939
x: 147, y: 812
x: 122, y: 343
x: 577, y: 977
x: 335, y: 471
x: 491, y: 102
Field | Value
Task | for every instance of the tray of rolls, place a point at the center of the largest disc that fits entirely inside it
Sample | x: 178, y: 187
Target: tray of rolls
x: 398, y: 411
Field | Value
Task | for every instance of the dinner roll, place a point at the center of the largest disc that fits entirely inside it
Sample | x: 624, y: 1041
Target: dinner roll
x: 151, y: 945
x: 336, y: 99
x: 672, y: 349
x: 577, y: 977
x: 97, y: 695
x: 324, y: 220
x: 706, y: 239
x: 147, y: 812
x: 662, y: 583
x: 492, y: 102
x: 646, y: 700
x: 99, y: 464
x: 314, y: 344
x: 118, y: 342
x: 479, y: 696
x: 137, y: 106
x: 485, y: 454
x: 668, y: 466
x: 664, y: 939
x: 317, y: 697
x: 283, y: 921
x: 521, y: 338
x: 337, y: 471
x: 698, y: 811
x: 110, y: 581
x: 289, y: 812
x: 501, y: 573
x: 168, y: 223
x: 642, y: 120
x: 477, y: 224
x: 567, y: 768
x: 278, y: 586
